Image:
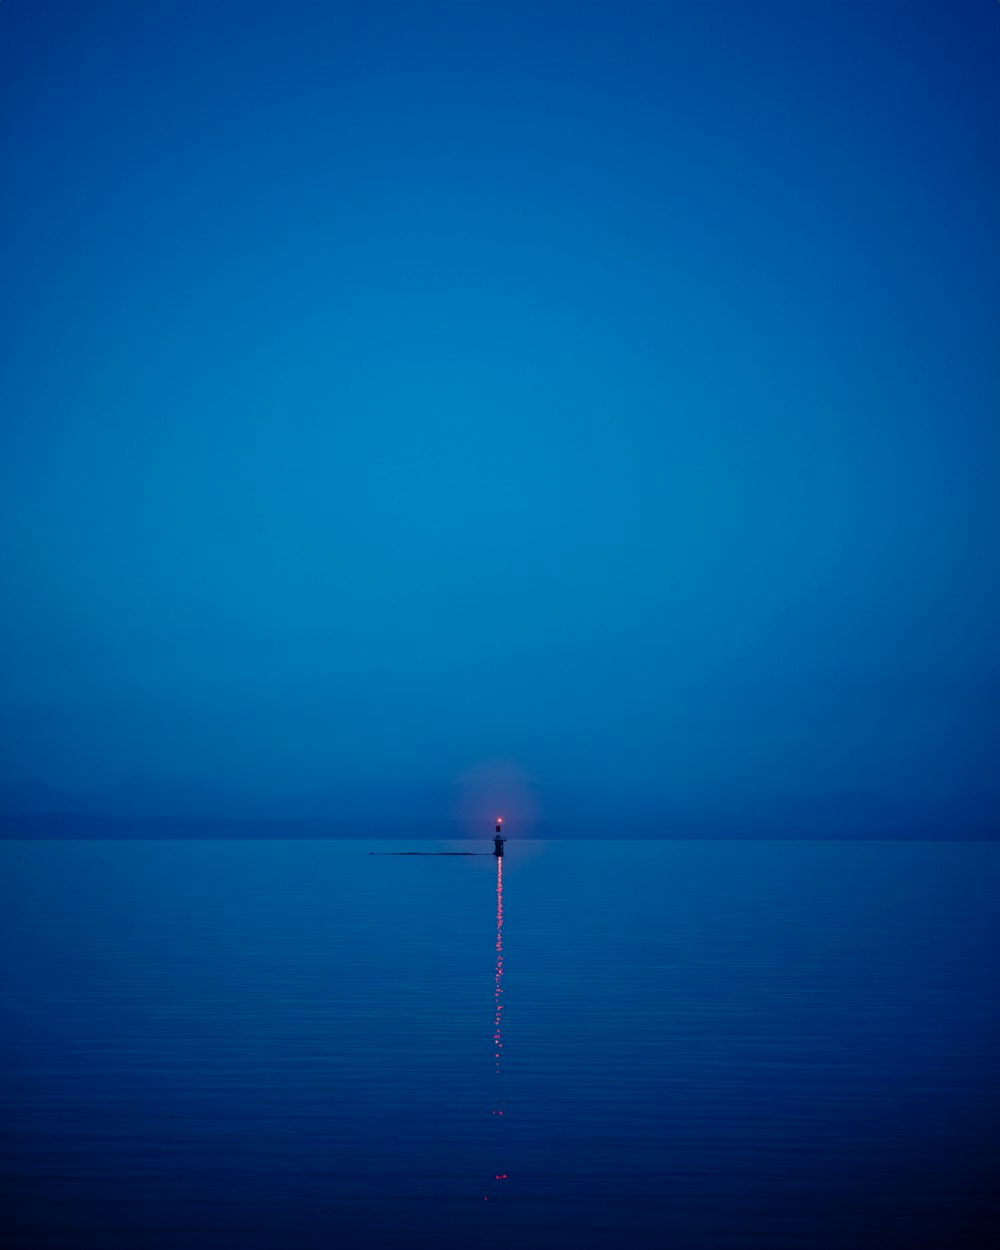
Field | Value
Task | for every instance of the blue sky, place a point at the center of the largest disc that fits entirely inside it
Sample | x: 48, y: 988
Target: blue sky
x: 609, y: 390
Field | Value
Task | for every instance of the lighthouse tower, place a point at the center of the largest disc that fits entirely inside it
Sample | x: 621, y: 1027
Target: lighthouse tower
x: 498, y: 841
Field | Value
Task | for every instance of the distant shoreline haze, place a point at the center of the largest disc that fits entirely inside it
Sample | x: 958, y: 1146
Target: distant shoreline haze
x: 40, y: 812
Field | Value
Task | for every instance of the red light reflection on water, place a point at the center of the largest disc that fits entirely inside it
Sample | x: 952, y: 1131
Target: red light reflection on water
x: 498, y: 995
x: 498, y: 991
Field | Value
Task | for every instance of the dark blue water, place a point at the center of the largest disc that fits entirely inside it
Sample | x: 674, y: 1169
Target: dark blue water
x: 262, y: 1044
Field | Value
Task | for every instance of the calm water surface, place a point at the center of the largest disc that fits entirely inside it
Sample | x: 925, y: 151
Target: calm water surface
x: 298, y: 1044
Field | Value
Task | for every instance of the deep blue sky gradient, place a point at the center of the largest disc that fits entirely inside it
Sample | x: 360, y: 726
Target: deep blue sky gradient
x: 610, y: 390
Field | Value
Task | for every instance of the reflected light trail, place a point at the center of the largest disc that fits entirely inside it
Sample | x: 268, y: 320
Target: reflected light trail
x: 498, y: 1003
x: 498, y: 991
